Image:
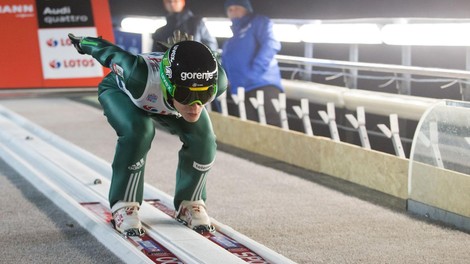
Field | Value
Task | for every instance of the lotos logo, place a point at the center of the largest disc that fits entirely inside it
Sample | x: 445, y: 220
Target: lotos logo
x: 55, y: 64
x: 65, y: 42
x: 197, y: 76
x: 52, y: 43
x: 79, y: 63
x: 62, y: 42
x: 72, y: 63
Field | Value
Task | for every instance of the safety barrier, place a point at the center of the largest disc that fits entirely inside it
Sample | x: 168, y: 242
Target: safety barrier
x: 435, y: 191
x: 392, y: 105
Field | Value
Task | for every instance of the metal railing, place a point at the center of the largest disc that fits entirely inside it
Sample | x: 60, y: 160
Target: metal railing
x: 410, y: 107
x: 376, y: 67
x: 394, y: 106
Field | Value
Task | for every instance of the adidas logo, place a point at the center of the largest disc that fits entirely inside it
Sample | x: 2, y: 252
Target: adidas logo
x: 138, y: 165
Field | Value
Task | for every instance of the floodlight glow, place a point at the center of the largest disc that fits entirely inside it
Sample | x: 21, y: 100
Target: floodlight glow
x: 286, y: 32
x: 141, y: 25
x: 443, y: 34
x: 360, y: 33
x: 219, y: 28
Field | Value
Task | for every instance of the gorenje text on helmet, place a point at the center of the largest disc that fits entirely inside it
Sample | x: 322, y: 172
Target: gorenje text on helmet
x: 197, y: 75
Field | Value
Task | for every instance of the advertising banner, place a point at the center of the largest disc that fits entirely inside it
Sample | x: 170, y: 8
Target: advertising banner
x: 56, y: 19
x: 40, y: 55
x: 59, y: 58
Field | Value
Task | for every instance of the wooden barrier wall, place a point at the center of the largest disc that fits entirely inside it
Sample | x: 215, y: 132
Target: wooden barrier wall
x: 439, y: 188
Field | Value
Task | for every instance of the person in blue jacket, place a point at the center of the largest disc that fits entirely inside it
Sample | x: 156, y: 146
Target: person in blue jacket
x: 248, y: 59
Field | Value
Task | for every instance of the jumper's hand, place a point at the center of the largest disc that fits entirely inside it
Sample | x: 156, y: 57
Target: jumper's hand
x: 178, y: 36
x: 76, y: 42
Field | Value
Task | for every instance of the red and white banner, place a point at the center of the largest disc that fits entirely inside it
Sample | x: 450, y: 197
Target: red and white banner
x: 35, y: 50
x: 59, y: 58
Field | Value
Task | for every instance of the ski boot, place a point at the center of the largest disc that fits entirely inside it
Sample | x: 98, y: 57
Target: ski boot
x: 194, y: 215
x: 126, y: 218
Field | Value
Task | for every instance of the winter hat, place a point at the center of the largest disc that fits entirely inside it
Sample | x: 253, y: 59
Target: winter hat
x: 245, y: 3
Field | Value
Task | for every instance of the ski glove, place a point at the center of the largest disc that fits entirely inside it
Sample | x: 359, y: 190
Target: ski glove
x: 76, y: 42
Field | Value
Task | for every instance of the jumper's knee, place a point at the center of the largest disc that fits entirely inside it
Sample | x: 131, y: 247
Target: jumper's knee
x: 203, y: 147
x: 138, y: 133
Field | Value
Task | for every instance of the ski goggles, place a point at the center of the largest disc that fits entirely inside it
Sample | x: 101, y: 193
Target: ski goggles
x: 194, y: 95
x: 187, y: 95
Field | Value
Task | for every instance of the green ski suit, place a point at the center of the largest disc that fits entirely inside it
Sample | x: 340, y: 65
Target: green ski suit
x: 132, y: 100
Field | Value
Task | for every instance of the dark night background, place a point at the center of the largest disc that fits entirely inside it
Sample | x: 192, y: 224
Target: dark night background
x: 310, y: 9
x: 332, y: 9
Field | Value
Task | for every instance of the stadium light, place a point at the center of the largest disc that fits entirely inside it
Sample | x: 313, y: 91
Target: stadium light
x: 360, y: 33
x: 431, y: 34
x: 287, y: 32
x: 219, y: 28
x: 142, y: 25
x: 403, y: 33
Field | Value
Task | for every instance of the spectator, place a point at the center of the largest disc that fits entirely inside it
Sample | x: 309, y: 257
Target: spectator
x: 248, y: 58
x: 182, y: 19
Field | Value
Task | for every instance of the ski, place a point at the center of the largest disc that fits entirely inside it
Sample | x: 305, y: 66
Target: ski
x: 146, y: 244
x: 219, y: 238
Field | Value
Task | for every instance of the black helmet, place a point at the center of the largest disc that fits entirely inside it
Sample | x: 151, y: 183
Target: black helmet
x: 188, y: 73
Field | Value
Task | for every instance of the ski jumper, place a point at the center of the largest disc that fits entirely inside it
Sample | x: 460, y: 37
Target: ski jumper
x: 132, y: 100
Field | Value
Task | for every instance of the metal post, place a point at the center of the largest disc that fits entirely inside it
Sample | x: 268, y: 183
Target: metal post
x: 406, y: 61
x: 280, y: 106
x: 308, y: 53
x: 303, y: 113
x: 329, y: 117
x: 223, y: 103
x: 353, y: 57
x: 239, y: 100
x: 360, y: 125
x: 258, y: 103
x: 466, y: 87
x: 394, y: 134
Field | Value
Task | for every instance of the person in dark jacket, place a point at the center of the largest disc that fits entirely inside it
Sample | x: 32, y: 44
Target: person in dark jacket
x: 181, y: 19
x: 248, y: 58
